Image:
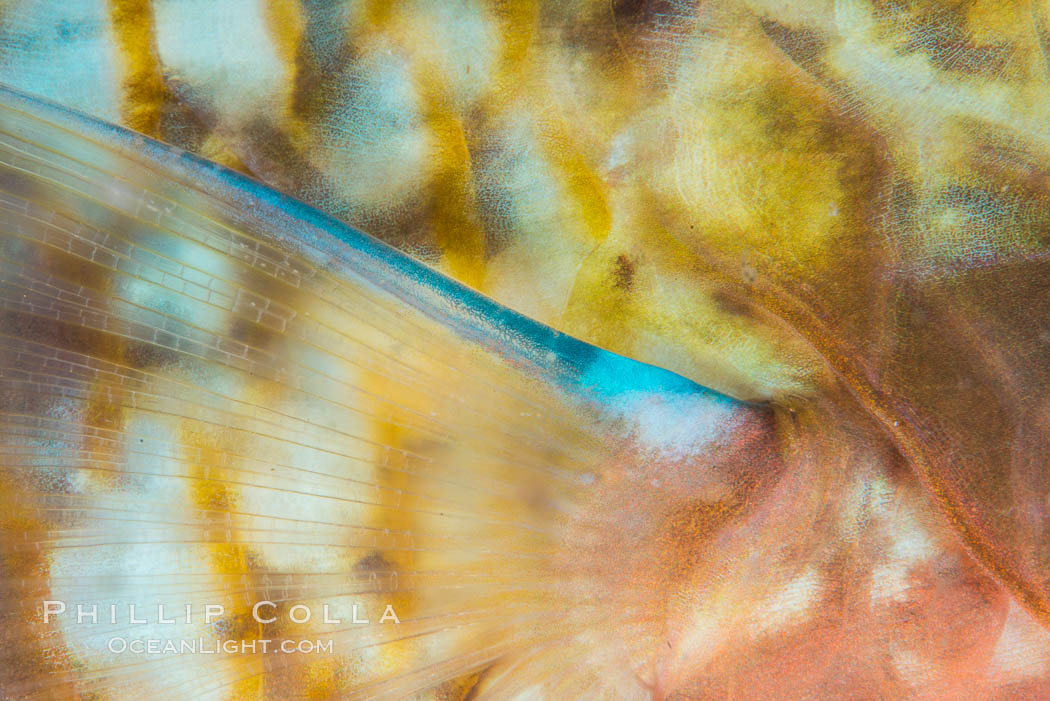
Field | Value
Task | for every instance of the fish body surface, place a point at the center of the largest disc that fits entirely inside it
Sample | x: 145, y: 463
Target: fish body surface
x: 520, y: 350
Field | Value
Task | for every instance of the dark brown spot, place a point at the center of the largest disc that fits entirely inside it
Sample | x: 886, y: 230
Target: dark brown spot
x: 274, y: 158
x: 731, y: 304
x: 375, y: 562
x: 802, y: 45
x: 60, y: 334
x: 944, y: 37
x: 74, y: 269
x: 623, y: 274
x: 253, y: 335
x: 635, y: 12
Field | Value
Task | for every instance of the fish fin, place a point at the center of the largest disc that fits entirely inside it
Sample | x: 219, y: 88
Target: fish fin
x: 220, y: 401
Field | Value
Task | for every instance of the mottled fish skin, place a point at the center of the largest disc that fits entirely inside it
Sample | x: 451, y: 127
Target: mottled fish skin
x: 839, y: 209
x: 213, y: 394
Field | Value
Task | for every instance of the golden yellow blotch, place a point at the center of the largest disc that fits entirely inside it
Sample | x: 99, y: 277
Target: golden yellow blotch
x: 394, y: 478
x: 284, y: 20
x: 517, y: 21
x: 208, y: 466
x: 322, y: 679
x: 992, y: 21
x: 637, y: 295
x: 25, y: 568
x: 453, y: 211
x: 379, y: 13
x: 582, y: 183
x: 144, y: 91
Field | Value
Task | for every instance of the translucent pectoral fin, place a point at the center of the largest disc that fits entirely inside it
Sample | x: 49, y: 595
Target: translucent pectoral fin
x: 339, y: 473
